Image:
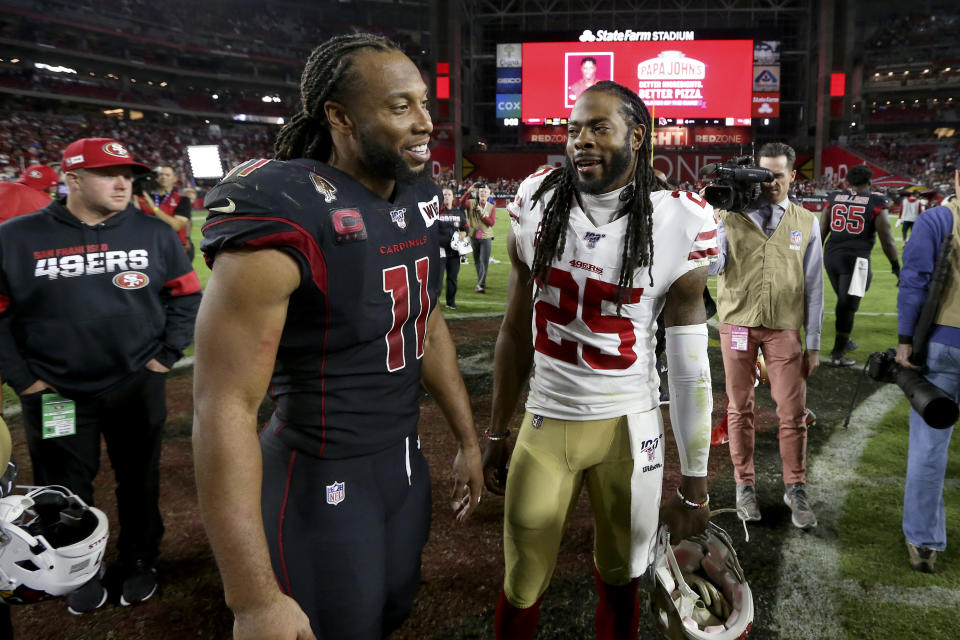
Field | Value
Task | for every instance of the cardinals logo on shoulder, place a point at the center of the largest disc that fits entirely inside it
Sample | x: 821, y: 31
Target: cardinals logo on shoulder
x: 324, y: 188
x: 336, y: 493
x: 131, y: 280
x: 116, y: 150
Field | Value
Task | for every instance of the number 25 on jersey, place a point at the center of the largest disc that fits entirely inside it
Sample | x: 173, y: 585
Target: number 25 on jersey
x: 595, y: 292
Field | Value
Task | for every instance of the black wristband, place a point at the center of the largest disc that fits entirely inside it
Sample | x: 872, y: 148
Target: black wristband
x: 902, y: 339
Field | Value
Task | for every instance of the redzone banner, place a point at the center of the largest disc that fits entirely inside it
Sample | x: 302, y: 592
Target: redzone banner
x: 698, y: 79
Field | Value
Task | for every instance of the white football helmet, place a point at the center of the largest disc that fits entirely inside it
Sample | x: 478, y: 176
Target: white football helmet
x: 700, y: 591
x: 460, y: 245
x: 51, y: 543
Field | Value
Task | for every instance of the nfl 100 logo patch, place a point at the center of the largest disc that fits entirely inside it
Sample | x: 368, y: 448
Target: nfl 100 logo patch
x: 336, y: 493
x: 399, y: 216
x: 795, y: 238
x: 537, y: 422
x: 593, y: 238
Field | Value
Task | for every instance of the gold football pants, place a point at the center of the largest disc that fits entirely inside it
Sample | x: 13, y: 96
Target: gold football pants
x: 549, y: 465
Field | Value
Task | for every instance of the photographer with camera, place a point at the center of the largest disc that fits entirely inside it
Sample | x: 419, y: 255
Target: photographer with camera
x: 936, y: 232
x: 850, y: 224
x: 155, y: 197
x: 770, y: 286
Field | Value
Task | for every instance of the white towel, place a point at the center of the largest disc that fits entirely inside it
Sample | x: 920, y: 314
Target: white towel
x: 858, y: 281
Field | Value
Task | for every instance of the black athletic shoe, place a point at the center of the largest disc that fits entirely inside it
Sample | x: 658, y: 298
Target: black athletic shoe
x: 850, y: 346
x: 139, y: 584
x: 88, y: 597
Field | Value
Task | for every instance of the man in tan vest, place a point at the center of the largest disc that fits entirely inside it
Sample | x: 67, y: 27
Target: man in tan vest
x: 770, y: 287
x: 924, y: 514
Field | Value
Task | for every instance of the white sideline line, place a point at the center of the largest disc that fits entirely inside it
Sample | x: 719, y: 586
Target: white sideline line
x: 810, y: 560
x: 932, y: 597
x: 900, y: 481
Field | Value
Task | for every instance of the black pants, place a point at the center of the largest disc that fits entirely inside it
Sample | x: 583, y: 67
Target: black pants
x: 840, y: 268
x: 353, y: 567
x: 130, y: 416
x: 906, y: 229
x: 451, y: 266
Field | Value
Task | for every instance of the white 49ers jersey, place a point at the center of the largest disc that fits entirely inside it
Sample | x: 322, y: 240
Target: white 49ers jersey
x: 588, y: 363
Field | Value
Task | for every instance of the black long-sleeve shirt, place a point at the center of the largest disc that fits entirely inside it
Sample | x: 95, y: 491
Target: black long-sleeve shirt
x: 84, y: 307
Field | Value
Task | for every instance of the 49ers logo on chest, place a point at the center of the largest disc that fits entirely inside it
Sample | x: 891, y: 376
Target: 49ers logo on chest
x: 131, y: 280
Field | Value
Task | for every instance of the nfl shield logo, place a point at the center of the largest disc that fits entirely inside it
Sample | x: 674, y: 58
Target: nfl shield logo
x: 537, y: 422
x: 336, y: 492
x: 398, y: 216
x: 592, y: 238
x: 795, y: 237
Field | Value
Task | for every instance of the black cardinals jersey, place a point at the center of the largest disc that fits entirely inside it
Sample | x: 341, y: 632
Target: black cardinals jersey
x: 852, y: 227
x: 347, y: 372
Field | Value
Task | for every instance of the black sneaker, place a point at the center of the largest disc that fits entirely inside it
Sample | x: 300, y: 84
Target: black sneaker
x: 88, y: 597
x: 139, y: 584
x: 850, y: 346
x: 452, y: 307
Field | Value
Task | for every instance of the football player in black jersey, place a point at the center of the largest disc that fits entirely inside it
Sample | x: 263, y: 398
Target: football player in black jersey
x: 850, y: 225
x: 325, y: 272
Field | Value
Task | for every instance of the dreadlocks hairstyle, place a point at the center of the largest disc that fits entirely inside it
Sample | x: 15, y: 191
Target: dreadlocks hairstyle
x: 328, y: 75
x: 638, y: 242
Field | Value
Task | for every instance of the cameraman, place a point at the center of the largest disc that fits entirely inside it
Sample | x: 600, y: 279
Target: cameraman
x: 169, y: 206
x: 770, y: 286
x: 924, y: 515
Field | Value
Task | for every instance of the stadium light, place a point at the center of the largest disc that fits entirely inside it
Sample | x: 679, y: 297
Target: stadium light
x: 205, y: 161
x: 215, y: 96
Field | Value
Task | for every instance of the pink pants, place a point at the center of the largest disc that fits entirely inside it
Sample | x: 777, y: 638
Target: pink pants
x: 784, y: 358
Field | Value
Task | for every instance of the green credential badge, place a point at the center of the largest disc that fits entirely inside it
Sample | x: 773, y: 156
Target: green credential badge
x: 59, y: 416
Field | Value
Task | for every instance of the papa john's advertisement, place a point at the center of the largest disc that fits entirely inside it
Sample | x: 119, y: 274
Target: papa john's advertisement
x: 697, y: 79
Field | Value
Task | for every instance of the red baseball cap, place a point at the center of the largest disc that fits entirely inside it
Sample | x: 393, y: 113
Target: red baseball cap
x: 39, y: 177
x: 92, y: 153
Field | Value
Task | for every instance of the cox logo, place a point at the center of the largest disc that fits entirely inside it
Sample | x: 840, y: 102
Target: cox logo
x: 505, y: 105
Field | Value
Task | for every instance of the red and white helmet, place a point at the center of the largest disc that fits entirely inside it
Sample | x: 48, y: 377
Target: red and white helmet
x: 51, y: 543
x: 700, y: 592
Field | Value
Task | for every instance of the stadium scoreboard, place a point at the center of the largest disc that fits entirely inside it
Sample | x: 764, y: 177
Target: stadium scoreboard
x: 682, y: 80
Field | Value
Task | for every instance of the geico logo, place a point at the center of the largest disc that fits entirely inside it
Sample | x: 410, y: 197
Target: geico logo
x: 508, y: 80
x: 507, y: 106
x: 91, y: 263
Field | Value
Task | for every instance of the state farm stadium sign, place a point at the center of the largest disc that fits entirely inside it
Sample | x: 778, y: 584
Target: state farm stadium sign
x: 629, y: 35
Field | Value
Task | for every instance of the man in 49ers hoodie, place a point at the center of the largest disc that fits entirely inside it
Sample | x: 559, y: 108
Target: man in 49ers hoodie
x: 97, y: 302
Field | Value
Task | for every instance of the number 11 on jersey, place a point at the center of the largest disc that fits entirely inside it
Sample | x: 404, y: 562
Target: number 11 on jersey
x: 395, y: 283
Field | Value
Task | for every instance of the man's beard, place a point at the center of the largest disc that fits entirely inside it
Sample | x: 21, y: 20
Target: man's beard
x: 383, y: 162
x: 612, y: 173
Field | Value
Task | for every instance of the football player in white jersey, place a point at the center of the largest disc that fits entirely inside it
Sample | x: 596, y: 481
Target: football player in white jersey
x: 584, y: 295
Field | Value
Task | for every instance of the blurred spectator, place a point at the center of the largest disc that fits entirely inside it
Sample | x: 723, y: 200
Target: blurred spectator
x: 169, y: 206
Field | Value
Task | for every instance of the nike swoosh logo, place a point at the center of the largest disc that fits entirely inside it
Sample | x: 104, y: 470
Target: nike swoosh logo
x: 230, y: 208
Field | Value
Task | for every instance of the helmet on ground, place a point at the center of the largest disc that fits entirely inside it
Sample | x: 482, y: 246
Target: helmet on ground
x: 700, y: 591
x: 51, y: 543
